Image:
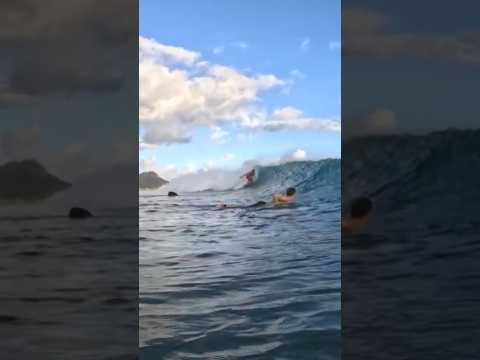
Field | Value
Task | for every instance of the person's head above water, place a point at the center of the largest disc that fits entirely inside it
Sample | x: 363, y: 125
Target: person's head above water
x: 291, y: 191
x: 361, y: 207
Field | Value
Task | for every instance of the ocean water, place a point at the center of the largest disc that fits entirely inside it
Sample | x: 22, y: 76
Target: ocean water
x: 410, y: 280
x: 68, y: 288
x: 243, y: 283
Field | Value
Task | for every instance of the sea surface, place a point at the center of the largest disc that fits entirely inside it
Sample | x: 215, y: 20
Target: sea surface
x: 68, y: 288
x: 243, y: 283
x: 411, y: 279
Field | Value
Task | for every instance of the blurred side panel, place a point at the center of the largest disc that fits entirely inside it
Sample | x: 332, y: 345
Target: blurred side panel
x: 410, y: 180
x: 69, y: 179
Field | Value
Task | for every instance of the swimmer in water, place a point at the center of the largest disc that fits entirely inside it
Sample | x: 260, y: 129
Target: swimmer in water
x: 227, y: 206
x: 359, y: 215
x: 288, y: 197
x: 276, y: 198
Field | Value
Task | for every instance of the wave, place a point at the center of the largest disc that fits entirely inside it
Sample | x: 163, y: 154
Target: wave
x: 430, y: 173
x: 306, y: 176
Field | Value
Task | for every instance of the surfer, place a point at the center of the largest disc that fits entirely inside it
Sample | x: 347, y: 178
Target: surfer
x: 249, y: 176
x: 280, y: 198
x: 359, y: 215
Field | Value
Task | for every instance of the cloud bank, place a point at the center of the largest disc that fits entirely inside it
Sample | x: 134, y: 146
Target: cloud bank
x: 365, y: 33
x: 179, y: 92
x: 77, y: 47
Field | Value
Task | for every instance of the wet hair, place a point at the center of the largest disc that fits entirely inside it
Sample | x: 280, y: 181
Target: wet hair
x: 291, y: 191
x: 361, y: 207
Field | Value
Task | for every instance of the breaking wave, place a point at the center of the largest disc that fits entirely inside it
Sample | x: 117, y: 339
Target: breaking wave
x: 306, y: 176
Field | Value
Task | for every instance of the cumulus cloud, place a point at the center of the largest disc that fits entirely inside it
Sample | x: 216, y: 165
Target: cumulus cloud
x: 173, y: 101
x: 289, y: 117
x: 175, y: 134
x: 219, y: 135
x: 150, y: 49
x: 167, y: 172
x: 178, y: 92
x: 296, y: 155
x: 145, y: 146
x: 365, y: 33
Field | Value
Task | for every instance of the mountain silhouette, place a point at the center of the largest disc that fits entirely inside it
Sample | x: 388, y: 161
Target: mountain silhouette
x: 28, y: 180
x: 151, y: 180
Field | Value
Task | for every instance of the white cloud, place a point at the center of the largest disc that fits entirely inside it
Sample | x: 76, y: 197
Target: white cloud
x: 167, y: 172
x: 229, y: 156
x: 305, y: 44
x: 156, y: 134
x: 145, y: 146
x: 147, y: 164
x: 173, y: 101
x: 179, y: 92
x: 219, y: 135
x: 151, y: 49
x: 299, y: 154
x: 289, y: 117
x: 296, y: 155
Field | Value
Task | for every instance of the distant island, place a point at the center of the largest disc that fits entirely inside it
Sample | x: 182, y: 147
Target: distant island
x: 28, y: 180
x: 151, y: 180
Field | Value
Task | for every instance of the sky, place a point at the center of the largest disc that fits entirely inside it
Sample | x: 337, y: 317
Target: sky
x: 409, y: 67
x: 245, y: 80
x: 63, y: 102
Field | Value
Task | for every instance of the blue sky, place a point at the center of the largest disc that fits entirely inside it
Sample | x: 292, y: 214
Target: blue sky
x: 295, y: 42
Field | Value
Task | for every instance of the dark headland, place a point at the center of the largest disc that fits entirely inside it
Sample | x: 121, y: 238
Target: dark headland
x: 151, y: 180
x: 28, y: 180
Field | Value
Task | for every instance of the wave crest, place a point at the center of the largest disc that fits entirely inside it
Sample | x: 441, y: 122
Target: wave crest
x: 305, y: 175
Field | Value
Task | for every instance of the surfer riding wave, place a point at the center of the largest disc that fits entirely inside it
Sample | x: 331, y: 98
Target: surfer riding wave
x: 249, y: 176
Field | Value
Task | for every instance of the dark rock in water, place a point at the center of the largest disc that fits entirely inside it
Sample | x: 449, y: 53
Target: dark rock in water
x: 28, y: 180
x: 151, y: 180
x: 171, y: 193
x: 79, y: 213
